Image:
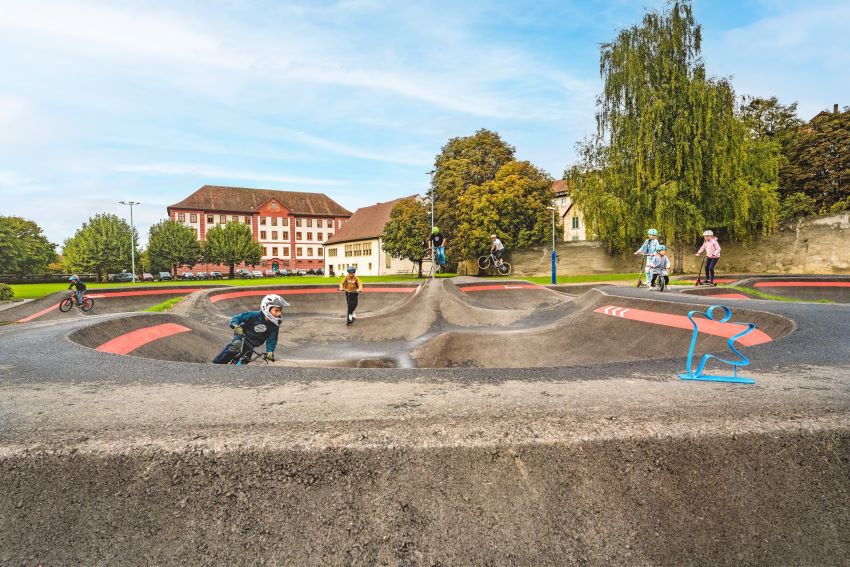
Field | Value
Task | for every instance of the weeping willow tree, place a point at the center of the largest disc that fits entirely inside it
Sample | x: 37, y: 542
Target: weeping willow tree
x: 670, y: 150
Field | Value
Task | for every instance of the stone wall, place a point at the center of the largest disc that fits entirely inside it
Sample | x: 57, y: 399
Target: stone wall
x: 815, y: 245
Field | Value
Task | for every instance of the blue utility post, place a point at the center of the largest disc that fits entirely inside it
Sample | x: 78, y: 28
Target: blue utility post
x: 554, y: 279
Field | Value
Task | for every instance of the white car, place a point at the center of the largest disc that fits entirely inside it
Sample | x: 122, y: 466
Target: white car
x: 257, y: 274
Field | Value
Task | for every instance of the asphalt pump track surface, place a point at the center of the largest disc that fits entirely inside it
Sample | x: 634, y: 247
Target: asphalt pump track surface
x: 456, y: 422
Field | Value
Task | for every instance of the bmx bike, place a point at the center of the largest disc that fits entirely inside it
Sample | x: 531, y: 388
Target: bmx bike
x: 71, y: 301
x: 490, y: 261
x: 249, y: 354
x: 660, y: 282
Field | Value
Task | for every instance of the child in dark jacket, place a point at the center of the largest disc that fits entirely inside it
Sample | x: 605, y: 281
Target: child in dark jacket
x: 252, y: 328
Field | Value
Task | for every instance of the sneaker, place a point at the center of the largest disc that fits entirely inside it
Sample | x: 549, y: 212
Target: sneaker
x: 353, y: 316
x: 350, y: 320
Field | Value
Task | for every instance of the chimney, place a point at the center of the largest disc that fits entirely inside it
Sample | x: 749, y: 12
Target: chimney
x: 835, y: 109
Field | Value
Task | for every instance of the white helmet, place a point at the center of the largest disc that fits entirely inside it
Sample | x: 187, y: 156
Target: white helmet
x: 269, y: 301
x: 707, y: 233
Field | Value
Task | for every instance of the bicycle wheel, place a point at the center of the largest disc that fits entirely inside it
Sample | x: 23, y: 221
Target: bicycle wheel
x: 88, y: 303
x: 65, y: 305
x: 661, y: 284
x: 504, y: 269
x: 483, y: 262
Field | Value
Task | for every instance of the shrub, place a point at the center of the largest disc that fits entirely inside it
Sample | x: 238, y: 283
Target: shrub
x: 6, y: 292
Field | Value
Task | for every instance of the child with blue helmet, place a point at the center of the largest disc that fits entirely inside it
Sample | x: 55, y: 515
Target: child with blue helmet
x: 659, y: 266
x: 648, y: 250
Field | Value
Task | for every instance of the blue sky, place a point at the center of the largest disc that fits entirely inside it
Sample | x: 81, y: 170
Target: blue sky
x: 109, y: 101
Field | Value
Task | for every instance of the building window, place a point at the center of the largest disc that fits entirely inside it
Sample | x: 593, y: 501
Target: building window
x: 284, y: 235
x: 274, y: 235
x: 262, y: 235
x: 298, y: 236
x: 274, y: 221
x: 297, y: 222
x: 309, y: 222
x: 193, y: 217
x: 309, y: 250
x: 284, y: 221
x: 330, y: 223
x: 370, y: 266
x: 331, y: 252
x: 247, y: 220
x: 319, y: 252
x: 309, y: 236
x: 330, y: 234
x: 575, y: 223
x: 210, y: 219
x: 298, y: 252
x: 262, y: 221
x: 222, y: 219
x: 181, y: 217
x: 286, y: 250
x: 274, y: 250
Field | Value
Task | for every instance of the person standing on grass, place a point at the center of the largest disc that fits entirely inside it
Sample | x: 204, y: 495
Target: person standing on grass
x: 712, y: 254
x: 352, y: 286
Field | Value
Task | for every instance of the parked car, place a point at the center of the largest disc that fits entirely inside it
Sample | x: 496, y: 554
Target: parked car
x: 201, y: 275
x: 257, y: 273
x: 269, y: 273
x: 301, y: 272
x: 319, y: 272
x: 165, y: 277
x: 243, y: 273
x: 215, y: 275
x: 123, y: 277
x: 283, y: 273
x: 187, y: 276
x: 147, y: 277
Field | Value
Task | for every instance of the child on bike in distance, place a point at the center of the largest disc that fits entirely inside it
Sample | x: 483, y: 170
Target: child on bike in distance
x: 497, y: 249
x: 659, y: 266
x: 438, y: 241
x: 352, y: 286
x: 712, y: 254
x: 251, y: 328
x: 648, y: 249
x: 80, y: 288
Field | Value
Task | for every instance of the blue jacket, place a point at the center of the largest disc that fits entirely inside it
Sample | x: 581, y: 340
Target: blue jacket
x: 650, y: 247
x: 659, y: 264
x: 257, y: 329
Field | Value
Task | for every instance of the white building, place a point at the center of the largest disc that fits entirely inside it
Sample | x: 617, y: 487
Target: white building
x: 571, y: 218
x: 358, y: 243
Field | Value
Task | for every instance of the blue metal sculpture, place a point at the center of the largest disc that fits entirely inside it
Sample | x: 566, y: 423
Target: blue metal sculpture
x: 691, y: 374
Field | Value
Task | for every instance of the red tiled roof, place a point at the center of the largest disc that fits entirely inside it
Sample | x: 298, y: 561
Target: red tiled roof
x: 366, y: 222
x: 560, y: 186
x: 246, y: 200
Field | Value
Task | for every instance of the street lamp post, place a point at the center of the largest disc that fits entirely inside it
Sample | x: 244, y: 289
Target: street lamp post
x: 431, y: 192
x: 553, y: 209
x: 132, y: 237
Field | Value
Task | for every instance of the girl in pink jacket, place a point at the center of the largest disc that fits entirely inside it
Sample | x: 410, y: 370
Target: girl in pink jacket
x: 712, y: 254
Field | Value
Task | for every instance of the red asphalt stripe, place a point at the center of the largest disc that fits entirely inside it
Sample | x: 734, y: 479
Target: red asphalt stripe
x: 108, y: 294
x: 801, y: 284
x: 39, y: 314
x: 128, y: 342
x: 707, y: 326
x: 305, y: 291
x: 500, y: 286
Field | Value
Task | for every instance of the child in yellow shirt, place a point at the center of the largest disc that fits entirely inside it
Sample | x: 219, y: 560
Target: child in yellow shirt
x: 352, y: 286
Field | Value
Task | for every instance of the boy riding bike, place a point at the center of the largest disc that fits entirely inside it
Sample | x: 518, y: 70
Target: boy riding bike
x: 438, y: 242
x: 251, y: 328
x: 658, y: 267
x: 497, y: 249
x: 80, y: 289
x: 648, y: 250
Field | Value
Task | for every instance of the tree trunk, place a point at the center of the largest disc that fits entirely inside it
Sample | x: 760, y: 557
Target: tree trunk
x: 420, y: 269
x: 231, y: 270
x: 678, y: 257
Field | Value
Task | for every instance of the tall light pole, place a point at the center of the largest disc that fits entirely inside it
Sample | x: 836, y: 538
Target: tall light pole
x: 431, y: 192
x: 553, y: 209
x: 132, y: 237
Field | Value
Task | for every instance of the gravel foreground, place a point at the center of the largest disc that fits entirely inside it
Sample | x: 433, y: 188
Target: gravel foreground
x: 626, y: 471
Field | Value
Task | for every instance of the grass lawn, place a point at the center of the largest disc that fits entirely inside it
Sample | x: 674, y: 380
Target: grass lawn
x: 165, y: 305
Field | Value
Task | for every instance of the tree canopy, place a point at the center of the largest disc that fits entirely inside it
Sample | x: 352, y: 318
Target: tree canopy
x: 101, y: 245
x: 512, y: 205
x: 669, y: 150
x: 818, y: 167
x: 24, y: 250
x: 172, y: 244
x: 405, y: 233
x: 231, y: 244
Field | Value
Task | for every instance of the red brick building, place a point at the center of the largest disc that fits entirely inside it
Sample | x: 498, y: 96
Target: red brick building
x: 289, y: 225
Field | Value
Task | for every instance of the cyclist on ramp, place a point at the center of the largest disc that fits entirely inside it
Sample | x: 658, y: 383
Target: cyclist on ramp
x: 252, y: 328
x: 79, y: 288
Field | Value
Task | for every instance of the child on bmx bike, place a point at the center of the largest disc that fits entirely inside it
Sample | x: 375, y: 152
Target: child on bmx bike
x: 659, y: 267
x: 251, y: 328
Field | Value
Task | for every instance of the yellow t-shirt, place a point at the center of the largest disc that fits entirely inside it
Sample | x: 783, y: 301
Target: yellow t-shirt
x: 351, y: 283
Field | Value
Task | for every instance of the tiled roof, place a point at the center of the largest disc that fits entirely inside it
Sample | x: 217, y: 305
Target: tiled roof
x: 245, y: 200
x: 366, y: 222
x: 560, y: 186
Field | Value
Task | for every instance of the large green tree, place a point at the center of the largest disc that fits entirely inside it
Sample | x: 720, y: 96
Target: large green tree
x: 768, y: 118
x: 465, y: 162
x: 405, y: 233
x: 101, y: 245
x: 818, y: 168
x: 512, y: 205
x: 24, y: 249
x: 171, y: 244
x: 669, y: 150
x: 232, y: 244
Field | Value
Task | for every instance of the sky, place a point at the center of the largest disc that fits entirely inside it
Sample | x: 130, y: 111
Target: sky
x: 148, y: 101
